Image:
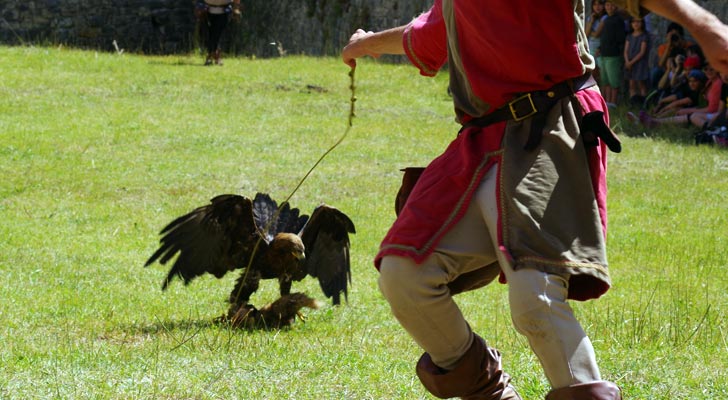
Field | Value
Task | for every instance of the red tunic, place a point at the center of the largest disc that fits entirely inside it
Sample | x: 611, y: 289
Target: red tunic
x: 513, y: 48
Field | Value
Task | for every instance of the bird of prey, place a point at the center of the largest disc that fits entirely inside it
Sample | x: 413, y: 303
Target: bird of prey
x: 264, y: 240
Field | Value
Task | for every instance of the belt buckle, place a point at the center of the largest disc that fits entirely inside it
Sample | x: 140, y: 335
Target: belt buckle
x: 514, y: 112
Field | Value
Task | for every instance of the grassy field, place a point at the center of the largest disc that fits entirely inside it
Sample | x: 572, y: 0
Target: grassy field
x: 99, y: 151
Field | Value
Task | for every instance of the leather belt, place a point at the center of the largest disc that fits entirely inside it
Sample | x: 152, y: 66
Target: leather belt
x: 533, y: 105
x: 530, y: 104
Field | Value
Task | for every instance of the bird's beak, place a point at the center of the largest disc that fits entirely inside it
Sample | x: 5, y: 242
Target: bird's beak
x: 299, y: 255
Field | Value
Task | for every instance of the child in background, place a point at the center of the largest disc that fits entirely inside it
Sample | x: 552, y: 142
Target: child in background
x: 675, y: 80
x: 611, y: 49
x: 690, y: 97
x: 594, y: 24
x: 693, y: 116
x: 636, y: 67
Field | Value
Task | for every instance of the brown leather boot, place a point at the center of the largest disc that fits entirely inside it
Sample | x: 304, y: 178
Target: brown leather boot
x: 478, y: 375
x: 600, y: 390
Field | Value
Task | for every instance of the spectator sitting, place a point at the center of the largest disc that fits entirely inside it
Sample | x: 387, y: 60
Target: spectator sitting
x: 696, y: 51
x: 712, y: 93
x: 697, y: 116
x: 679, y: 78
x: 689, y: 97
x: 692, y: 62
x: 720, y: 117
x: 671, y: 78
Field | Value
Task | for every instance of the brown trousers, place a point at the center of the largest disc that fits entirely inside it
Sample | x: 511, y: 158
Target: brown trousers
x: 422, y: 301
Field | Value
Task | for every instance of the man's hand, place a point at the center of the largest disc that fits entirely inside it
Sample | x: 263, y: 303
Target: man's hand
x: 357, y: 48
x: 373, y: 44
x: 706, y: 28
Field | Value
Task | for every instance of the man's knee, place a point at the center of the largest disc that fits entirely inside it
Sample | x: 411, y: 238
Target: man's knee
x: 402, y: 281
x: 395, y: 277
x: 538, y: 302
x: 534, y: 321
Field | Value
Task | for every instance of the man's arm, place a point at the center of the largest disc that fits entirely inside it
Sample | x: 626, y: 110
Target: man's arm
x: 706, y: 28
x: 373, y: 44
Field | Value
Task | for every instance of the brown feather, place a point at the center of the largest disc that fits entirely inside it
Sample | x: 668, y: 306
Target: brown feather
x: 265, y: 241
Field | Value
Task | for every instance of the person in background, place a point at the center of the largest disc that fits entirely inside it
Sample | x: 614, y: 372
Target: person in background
x: 669, y: 81
x: 612, y: 52
x: 674, y: 81
x: 689, y: 97
x: 519, y: 193
x: 674, y: 44
x: 215, y: 15
x: 712, y: 93
x: 722, y: 117
x: 696, y: 52
x: 636, y: 66
x: 692, y: 61
x: 594, y: 23
x: 673, y: 77
x: 692, y: 116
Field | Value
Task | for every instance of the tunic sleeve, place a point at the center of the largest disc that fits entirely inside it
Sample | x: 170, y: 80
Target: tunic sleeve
x: 425, y: 41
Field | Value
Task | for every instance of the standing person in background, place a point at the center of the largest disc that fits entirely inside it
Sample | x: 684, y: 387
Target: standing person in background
x: 636, y: 68
x: 612, y: 52
x: 594, y: 24
x: 215, y: 15
x: 520, y: 192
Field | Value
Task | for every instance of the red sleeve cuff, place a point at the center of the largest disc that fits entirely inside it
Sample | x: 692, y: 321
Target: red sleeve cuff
x: 424, y: 42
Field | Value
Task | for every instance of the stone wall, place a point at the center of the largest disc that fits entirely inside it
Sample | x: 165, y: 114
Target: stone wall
x: 312, y: 27
x: 316, y: 26
x: 167, y: 26
x: 136, y: 25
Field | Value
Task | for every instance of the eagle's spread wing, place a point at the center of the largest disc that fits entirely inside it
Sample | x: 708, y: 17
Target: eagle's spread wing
x: 271, y: 221
x: 215, y: 238
x: 326, y: 238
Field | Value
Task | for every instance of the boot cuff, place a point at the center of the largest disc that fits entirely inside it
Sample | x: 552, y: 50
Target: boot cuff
x: 478, y: 373
x: 600, y: 390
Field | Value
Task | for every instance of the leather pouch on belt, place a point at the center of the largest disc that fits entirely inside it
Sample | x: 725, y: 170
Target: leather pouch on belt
x: 593, y: 128
x: 411, y: 175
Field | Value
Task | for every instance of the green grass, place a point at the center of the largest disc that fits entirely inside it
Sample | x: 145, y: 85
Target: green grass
x: 98, y: 151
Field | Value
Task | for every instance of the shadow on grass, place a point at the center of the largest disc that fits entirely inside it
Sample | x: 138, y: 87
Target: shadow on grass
x: 181, y: 62
x: 185, y: 330
x: 169, y: 325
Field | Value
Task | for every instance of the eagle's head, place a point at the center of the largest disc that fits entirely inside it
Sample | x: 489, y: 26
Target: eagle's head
x: 289, y: 245
x: 289, y: 256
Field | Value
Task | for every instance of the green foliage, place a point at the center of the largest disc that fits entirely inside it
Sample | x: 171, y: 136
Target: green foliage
x: 99, y: 151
